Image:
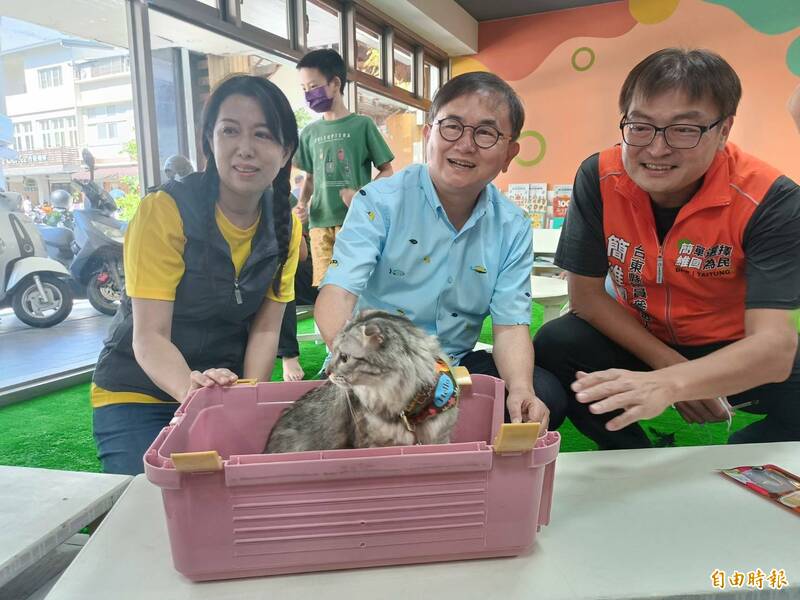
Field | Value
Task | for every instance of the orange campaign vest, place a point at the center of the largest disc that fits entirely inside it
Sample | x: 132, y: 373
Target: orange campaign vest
x: 690, y: 289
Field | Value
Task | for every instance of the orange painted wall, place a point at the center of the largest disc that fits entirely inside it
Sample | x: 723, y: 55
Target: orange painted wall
x: 576, y: 111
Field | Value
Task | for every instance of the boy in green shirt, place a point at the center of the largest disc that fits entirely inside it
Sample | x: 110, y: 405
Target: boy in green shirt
x: 336, y: 153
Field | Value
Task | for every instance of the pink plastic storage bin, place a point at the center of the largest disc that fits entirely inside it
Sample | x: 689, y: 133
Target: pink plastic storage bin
x: 266, y: 514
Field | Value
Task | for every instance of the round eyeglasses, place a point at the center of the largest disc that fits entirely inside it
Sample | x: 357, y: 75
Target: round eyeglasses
x: 680, y: 136
x: 484, y: 136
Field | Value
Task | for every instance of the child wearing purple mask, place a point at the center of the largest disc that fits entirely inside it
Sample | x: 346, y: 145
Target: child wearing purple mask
x: 336, y: 153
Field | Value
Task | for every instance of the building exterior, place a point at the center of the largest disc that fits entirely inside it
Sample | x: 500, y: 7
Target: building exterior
x: 63, y: 95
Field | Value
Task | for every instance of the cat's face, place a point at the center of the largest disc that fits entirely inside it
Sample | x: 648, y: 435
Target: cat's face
x: 385, y: 353
x: 358, y: 357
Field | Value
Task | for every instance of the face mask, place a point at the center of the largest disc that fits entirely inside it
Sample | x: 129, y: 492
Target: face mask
x: 318, y: 101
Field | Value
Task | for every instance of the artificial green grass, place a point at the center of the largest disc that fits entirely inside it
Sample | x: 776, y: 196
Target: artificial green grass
x: 54, y: 431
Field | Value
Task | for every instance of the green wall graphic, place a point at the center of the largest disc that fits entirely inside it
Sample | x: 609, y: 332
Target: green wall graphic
x: 767, y: 16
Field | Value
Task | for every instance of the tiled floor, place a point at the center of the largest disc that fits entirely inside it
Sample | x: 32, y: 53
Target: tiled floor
x: 28, y: 353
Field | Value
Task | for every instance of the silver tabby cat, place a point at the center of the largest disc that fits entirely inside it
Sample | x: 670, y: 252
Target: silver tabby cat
x: 378, y: 364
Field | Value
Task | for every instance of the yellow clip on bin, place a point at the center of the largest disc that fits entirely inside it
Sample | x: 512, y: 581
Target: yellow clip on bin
x: 196, y: 462
x: 516, y: 437
x: 234, y: 512
x: 461, y: 375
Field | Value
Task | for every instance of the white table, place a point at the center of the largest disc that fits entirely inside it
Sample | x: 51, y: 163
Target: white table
x: 41, y: 508
x: 545, y: 243
x: 625, y: 524
x: 550, y: 292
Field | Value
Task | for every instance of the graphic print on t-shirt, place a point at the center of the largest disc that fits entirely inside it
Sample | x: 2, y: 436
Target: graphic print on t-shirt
x: 332, y: 154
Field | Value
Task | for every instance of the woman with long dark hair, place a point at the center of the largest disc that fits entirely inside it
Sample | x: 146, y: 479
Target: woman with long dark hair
x: 210, y: 263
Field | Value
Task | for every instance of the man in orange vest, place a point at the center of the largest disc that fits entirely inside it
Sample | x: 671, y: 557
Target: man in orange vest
x: 702, y: 244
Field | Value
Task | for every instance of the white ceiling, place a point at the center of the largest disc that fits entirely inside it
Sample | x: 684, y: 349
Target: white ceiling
x: 105, y: 21
x: 100, y: 20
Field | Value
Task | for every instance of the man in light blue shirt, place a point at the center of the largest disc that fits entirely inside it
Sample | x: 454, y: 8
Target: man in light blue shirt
x: 403, y: 255
x: 441, y: 245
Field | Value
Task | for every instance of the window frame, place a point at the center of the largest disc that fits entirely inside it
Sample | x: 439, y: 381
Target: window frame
x: 429, y: 60
x: 374, y: 29
x: 47, y: 77
x: 57, y: 132
x: 225, y: 19
x: 394, y: 99
x: 400, y: 43
x: 84, y: 71
x: 333, y: 7
x: 288, y: 19
x: 23, y: 136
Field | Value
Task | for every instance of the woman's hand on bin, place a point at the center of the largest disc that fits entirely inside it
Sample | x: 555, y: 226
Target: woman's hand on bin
x: 210, y: 378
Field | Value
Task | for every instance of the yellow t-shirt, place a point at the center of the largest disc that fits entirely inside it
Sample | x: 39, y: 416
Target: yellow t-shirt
x: 154, y: 243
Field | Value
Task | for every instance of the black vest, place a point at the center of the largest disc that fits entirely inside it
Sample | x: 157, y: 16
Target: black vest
x: 212, y: 309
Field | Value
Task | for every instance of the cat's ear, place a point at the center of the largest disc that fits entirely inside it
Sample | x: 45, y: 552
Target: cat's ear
x: 373, y: 336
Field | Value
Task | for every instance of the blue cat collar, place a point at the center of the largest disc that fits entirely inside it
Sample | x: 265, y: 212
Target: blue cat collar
x: 432, y: 399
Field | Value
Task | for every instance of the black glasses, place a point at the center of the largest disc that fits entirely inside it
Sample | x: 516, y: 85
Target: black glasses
x: 680, y: 136
x: 484, y: 136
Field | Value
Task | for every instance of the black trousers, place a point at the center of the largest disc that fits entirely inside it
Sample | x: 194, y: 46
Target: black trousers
x: 304, y: 294
x: 569, y: 344
x: 545, y: 384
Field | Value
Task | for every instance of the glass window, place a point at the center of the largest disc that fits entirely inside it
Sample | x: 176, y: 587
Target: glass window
x: 95, y: 88
x: 58, y: 132
x: 72, y: 132
x: 105, y: 66
x: 108, y: 110
x: 50, y: 77
x: 187, y: 63
x: 106, y: 131
x: 323, y: 26
x: 368, y: 51
x: 110, y: 122
x: 23, y: 136
x: 400, y: 124
x: 403, y: 67
x: 430, y: 80
x: 269, y: 15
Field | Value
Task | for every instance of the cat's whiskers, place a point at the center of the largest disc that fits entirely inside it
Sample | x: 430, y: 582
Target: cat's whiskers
x: 352, y: 412
x: 339, y: 382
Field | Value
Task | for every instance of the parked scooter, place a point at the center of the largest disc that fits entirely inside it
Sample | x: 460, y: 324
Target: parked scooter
x: 34, y: 284
x: 98, y: 264
x: 57, y: 234
x: 59, y: 239
x: 60, y: 210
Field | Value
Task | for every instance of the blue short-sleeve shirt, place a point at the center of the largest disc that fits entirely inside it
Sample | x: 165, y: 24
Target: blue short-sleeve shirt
x: 397, y: 251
